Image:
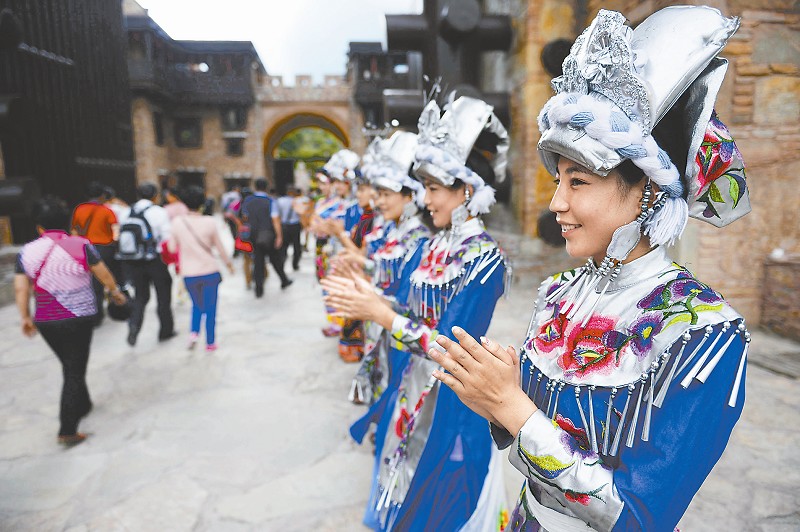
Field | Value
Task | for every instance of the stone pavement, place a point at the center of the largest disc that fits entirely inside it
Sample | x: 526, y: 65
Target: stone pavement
x: 254, y: 436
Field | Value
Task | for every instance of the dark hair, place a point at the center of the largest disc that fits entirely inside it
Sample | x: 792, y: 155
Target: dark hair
x: 147, y: 190
x: 630, y: 174
x: 553, y: 55
x: 51, y: 212
x: 261, y: 184
x: 481, y: 166
x: 246, y: 191
x: 110, y: 192
x: 95, y: 189
x: 194, y: 197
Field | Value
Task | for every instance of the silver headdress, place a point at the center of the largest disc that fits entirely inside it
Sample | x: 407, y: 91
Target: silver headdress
x: 619, y: 89
x: 390, y: 163
x: 343, y: 165
x: 618, y: 84
x: 446, y: 140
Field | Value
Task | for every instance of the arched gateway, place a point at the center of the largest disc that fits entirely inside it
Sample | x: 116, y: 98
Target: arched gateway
x: 285, y: 109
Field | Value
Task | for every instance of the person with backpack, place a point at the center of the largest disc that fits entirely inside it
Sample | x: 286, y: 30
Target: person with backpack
x: 139, y: 246
x: 95, y: 222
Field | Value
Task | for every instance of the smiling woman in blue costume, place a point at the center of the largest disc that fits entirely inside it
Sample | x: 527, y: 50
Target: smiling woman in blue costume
x: 632, y: 375
x: 437, y: 468
x: 389, y: 267
x: 331, y: 215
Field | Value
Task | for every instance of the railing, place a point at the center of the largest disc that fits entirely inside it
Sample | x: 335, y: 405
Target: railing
x: 195, y: 87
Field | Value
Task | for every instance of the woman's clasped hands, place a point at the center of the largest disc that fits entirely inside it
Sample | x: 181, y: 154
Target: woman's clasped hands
x: 485, y: 376
x: 354, y: 298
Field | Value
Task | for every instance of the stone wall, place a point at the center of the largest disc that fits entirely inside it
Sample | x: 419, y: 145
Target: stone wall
x: 154, y: 161
x: 759, y: 101
x: 780, y: 309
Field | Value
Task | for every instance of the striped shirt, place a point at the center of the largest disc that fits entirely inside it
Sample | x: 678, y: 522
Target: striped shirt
x: 58, y: 265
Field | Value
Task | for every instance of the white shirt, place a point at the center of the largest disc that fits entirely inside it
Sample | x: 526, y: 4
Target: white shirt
x: 157, y: 217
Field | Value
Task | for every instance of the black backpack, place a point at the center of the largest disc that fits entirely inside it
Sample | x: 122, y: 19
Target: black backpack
x: 136, y: 239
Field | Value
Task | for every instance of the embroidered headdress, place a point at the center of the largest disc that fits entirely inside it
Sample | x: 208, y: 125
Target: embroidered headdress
x: 647, y: 95
x: 343, y: 165
x: 390, y: 163
x: 623, y: 91
x: 445, y: 143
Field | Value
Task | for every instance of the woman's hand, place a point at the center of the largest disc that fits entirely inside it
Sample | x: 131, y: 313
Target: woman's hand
x: 355, y: 299
x: 485, y: 377
x: 28, y: 327
x: 118, y: 297
x: 335, y: 226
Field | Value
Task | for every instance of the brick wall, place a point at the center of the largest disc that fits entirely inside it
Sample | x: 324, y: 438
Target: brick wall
x: 780, y: 310
x: 759, y: 101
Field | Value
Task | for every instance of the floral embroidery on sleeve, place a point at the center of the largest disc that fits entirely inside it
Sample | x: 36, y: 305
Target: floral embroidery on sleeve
x: 413, y: 335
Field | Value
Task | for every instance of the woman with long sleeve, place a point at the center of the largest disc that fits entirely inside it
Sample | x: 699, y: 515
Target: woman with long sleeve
x: 435, y: 467
x: 327, y: 222
x: 399, y: 199
x: 58, y: 269
x: 631, y: 377
x: 197, y: 238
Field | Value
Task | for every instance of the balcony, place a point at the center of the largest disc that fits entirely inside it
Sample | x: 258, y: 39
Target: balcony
x: 177, y: 81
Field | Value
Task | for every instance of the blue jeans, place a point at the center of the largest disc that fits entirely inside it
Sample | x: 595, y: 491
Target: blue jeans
x: 203, y: 291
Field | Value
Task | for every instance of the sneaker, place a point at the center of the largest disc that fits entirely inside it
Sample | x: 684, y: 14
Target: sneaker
x: 211, y: 347
x: 192, y: 340
x: 286, y: 283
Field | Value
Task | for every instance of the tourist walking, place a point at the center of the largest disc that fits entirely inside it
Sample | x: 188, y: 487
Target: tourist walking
x: 146, y: 227
x: 58, y: 269
x: 290, y: 223
x: 632, y: 374
x: 260, y: 212
x: 96, y: 222
x: 197, y: 240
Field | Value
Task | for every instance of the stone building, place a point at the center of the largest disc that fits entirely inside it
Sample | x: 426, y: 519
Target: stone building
x: 760, y: 103
x: 193, y: 109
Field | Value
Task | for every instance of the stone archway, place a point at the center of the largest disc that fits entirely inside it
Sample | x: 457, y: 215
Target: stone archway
x: 291, y: 122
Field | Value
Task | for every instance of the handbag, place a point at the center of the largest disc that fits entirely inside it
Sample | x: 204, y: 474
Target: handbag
x: 242, y: 245
x: 243, y: 233
x: 167, y: 257
x: 120, y: 312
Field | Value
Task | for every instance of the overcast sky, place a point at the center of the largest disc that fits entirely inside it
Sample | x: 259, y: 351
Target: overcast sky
x: 291, y: 36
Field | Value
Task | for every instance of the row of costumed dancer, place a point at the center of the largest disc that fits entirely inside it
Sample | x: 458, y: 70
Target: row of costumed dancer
x: 623, y: 395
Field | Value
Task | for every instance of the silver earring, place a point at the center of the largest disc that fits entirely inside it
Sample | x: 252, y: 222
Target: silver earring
x: 458, y: 217
x: 409, y: 210
x: 467, y: 196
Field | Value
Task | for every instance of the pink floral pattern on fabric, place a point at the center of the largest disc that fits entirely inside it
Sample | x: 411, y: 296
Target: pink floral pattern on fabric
x: 595, y: 348
x: 721, y: 172
x: 573, y: 439
x: 433, y: 264
x: 551, y: 334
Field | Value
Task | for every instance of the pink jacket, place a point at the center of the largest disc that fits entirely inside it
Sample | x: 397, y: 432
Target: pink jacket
x: 196, y: 238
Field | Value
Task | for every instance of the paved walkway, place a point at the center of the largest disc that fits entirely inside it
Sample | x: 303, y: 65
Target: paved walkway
x: 254, y: 436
